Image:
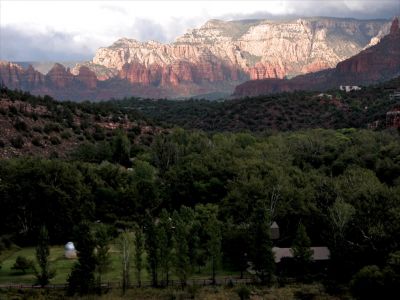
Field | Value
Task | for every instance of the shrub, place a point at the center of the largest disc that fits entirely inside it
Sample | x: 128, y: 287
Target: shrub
x: 22, y: 264
x: 13, y: 110
x: 65, y: 135
x: 55, y: 140
x: 37, y: 129
x: 2, y: 144
x: 20, y: 125
x: 50, y: 127
x: 99, y: 134
x: 243, y: 292
x: 53, y: 155
x: 36, y: 141
x: 17, y: 142
x: 367, y: 283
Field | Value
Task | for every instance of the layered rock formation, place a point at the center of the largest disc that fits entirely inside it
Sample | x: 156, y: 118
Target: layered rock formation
x: 213, y: 58
x: 374, y: 64
x: 247, y: 49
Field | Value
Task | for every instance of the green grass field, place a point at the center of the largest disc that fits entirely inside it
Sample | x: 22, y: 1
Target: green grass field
x: 57, y: 261
x: 63, y: 267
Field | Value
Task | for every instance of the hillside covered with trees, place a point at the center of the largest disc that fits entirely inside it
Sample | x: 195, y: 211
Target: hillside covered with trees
x: 285, y: 111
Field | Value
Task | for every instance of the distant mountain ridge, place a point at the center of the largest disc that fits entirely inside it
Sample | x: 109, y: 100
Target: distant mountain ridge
x: 211, y: 59
x: 375, y: 64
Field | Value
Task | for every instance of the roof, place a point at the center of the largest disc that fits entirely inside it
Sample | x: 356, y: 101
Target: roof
x: 274, y: 225
x: 319, y: 253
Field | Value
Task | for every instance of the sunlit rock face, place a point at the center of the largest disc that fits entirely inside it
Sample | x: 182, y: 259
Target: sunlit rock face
x: 374, y: 64
x: 214, y: 58
x: 219, y: 50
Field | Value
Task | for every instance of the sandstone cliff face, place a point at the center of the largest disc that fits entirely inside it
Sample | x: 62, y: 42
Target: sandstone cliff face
x: 377, y: 63
x: 213, y: 58
x: 238, y: 50
x: 16, y: 77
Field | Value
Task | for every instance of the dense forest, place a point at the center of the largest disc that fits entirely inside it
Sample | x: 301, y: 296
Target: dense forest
x: 194, y: 198
x: 343, y: 186
x: 333, y: 109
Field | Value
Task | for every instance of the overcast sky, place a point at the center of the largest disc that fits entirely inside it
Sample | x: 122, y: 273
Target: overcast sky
x: 55, y: 30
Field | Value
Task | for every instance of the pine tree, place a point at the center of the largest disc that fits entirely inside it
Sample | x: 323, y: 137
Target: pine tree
x: 81, y: 280
x: 302, y: 252
x: 152, y: 248
x: 103, y: 257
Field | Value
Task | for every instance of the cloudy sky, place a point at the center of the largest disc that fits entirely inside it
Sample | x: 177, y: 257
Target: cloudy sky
x: 55, y: 30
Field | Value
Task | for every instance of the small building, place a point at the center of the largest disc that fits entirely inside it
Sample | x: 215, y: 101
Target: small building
x: 319, y: 253
x: 70, y: 251
x: 393, y: 118
x: 324, y: 95
x: 349, y: 88
x: 395, y: 95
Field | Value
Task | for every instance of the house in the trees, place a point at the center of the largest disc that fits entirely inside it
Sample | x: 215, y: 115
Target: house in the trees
x: 393, y: 118
x: 349, y: 88
x: 319, y: 253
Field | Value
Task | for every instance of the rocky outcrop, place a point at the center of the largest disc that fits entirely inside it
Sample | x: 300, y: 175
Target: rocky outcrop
x: 16, y: 77
x: 59, y: 76
x: 374, y: 64
x: 87, y: 77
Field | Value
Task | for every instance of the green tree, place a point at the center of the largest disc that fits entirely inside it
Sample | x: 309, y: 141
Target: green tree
x: 103, y: 256
x: 139, y: 250
x: 340, y: 215
x: 368, y: 283
x: 262, y: 255
x: 208, y: 215
x: 125, y: 243
x: 82, y: 279
x: 152, y: 245
x: 44, y: 274
x: 301, y: 251
x: 165, y: 228
x: 121, y: 149
x: 181, y: 247
x: 22, y: 264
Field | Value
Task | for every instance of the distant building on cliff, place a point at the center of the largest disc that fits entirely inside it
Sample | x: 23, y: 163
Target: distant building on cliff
x: 395, y: 95
x: 393, y: 118
x: 349, y: 88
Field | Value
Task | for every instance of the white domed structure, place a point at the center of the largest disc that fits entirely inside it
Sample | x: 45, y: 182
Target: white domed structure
x: 70, y: 251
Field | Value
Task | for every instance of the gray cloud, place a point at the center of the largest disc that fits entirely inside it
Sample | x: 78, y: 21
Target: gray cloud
x: 358, y: 9
x: 145, y: 29
x: 17, y: 45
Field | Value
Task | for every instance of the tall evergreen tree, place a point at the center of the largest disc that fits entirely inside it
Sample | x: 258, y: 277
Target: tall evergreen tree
x: 82, y: 280
x: 139, y: 250
x: 152, y: 247
x: 103, y: 257
x: 44, y: 274
x: 302, y: 252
